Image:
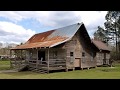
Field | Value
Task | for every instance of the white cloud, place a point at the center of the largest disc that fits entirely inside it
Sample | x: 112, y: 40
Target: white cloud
x: 92, y: 19
x: 10, y: 32
x: 54, y: 19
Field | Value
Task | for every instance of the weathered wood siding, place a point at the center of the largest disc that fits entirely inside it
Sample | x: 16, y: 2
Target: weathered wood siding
x: 83, y: 46
x: 70, y: 47
x: 76, y: 45
x: 55, y: 53
x: 107, y: 58
x: 31, y: 54
x: 88, y: 60
x: 100, y: 56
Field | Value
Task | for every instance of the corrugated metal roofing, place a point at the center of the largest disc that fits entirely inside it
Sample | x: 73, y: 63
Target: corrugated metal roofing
x: 100, y: 45
x: 51, y: 38
x: 67, y: 31
x: 40, y: 37
x: 39, y: 44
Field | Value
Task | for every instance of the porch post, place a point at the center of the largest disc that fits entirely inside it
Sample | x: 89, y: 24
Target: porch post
x: 10, y: 52
x: 15, y: 58
x: 25, y: 57
x: 21, y: 57
x: 25, y: 54
x: 21, y: 53
x: 37, y: 58
x: 48, y: 60
x: 10, y: 59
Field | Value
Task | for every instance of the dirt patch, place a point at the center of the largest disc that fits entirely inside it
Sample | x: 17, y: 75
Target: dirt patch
x: 112, y: 67
x: 8, y: 71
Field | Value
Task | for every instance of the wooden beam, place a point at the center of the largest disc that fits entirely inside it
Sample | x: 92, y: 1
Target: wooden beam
x: 48, y: 60
x: 15, y: 56
x: 10, y: 53
x: 21, y: 53
x: 37, y: 54
x: 25, y: 54
x: 37, y: 58
x: 10, y: 59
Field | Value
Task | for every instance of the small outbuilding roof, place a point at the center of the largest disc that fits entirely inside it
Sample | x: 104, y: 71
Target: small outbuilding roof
x: 101, y: 45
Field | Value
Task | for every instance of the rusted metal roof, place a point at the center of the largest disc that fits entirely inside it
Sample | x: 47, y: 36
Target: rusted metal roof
x: 40, y: 37
x: 101, y: 45
x: 51, y: 38
x: 39, y: 44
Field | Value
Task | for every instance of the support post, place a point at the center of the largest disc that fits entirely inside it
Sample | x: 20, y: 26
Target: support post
x: 10, y: 59
x: 15, y: 58
x: 21, y: 58
x: 66, y: 69
x: 25, y: 56
x: 21, y: 53
x: 73, y: 68
x: 48, y: 60
x: 37, y: 59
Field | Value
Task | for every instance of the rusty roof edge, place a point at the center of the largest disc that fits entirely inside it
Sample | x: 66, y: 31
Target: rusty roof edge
x: 60, y: 42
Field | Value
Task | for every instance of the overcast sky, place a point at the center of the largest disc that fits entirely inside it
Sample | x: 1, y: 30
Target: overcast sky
x: 19, y: 26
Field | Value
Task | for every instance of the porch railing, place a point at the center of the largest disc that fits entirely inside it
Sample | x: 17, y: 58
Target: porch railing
x: 17, y: 63
x: 52, y: 63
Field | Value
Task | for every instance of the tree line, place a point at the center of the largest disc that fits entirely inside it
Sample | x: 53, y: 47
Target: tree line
x: 110, y: 33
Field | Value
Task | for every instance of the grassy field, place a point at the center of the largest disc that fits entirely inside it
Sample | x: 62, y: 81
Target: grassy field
x: 4, y: 65
x: 93, y: 73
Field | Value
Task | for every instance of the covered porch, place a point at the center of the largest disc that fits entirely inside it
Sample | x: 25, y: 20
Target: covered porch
x: 38, y: 59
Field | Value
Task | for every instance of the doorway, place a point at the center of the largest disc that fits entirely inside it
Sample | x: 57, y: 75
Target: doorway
x: 41, y: 55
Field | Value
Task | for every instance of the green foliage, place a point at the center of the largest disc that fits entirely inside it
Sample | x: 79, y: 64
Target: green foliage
x: 111, y: 32
x: 102, y: 34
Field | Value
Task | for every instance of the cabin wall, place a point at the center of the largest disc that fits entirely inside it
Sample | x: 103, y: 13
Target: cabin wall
x: 77, y: 45
x: 27, y: 55
x: 55, y: 53
x: 87, y: 52
x: 31, y: 54
x: 101, y: 56
x: 107, y: 55
x: 107, y: 58
x: 78, y: 51
x: 73, y: 46
x: 70, y: 52
x: 88, y: 60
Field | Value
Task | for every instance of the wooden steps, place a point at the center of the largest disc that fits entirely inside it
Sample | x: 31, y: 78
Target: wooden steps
x: 38, y: 70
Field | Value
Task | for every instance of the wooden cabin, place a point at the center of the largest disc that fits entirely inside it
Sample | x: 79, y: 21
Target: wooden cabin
x: 103, y: 53
x: 63, y: 48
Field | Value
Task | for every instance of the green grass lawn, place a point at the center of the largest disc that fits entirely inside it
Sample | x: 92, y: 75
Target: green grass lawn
x: 93, y: 73
x: 4, y: 64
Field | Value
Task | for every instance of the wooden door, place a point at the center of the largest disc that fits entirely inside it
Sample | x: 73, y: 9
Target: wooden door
x: 77, y: 62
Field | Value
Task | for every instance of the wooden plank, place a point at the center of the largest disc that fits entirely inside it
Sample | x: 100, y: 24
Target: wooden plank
x: 48, y: 60
x: 58, y: 59
x: 57, y: 64
x: 37, y: 58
